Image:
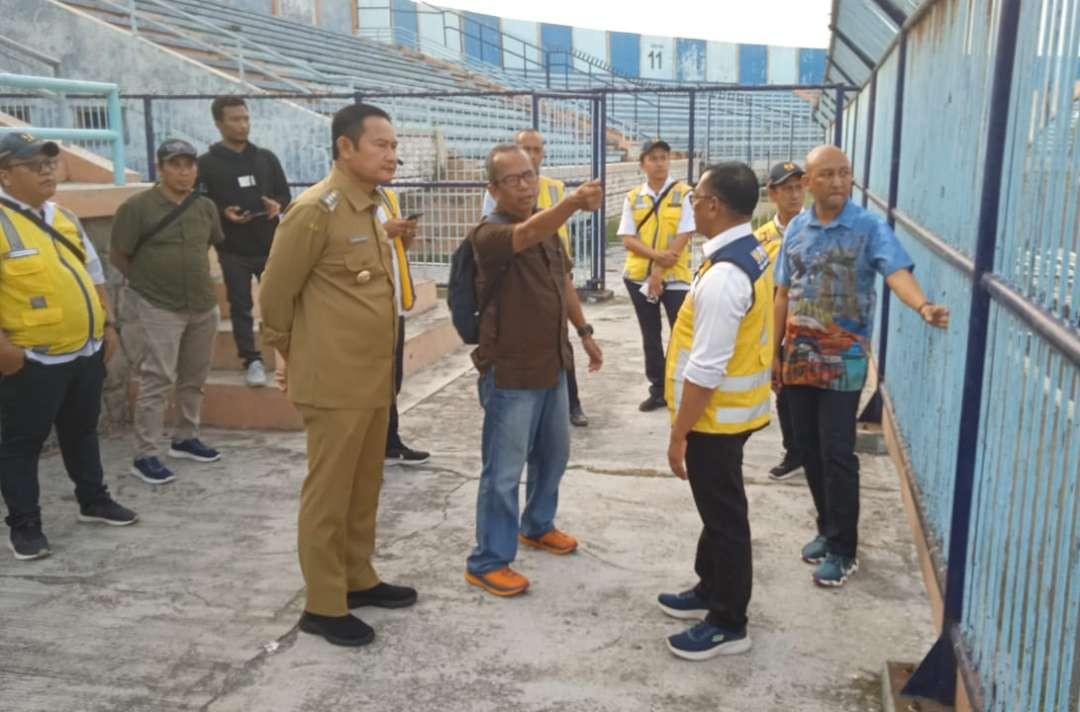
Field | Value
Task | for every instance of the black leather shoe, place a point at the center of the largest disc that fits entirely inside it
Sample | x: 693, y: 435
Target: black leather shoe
x: 578, y: 418
x: 652, y: 403
x: 384, y: 595
x: 786, y: 469
x: 339, y: 630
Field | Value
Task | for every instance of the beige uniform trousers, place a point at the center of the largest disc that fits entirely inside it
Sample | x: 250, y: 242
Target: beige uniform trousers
x: 176, y: 352
x: 338, y: 503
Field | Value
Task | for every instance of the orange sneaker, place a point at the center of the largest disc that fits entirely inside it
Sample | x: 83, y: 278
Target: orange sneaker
x: 554, y: 541
x: 502, y: 582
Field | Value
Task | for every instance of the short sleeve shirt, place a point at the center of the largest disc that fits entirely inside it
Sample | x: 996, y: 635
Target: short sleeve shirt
x: 829, y: 271
x: 172, y: 269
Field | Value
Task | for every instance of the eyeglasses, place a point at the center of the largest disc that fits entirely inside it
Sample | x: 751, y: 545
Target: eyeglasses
x: 517, y: 179
x: 38, y: 165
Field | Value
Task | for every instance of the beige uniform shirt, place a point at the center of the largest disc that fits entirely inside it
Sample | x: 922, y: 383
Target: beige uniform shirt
x: 327, y: 297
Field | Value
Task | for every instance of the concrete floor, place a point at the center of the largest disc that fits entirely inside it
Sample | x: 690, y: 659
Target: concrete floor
x: 195, y: 607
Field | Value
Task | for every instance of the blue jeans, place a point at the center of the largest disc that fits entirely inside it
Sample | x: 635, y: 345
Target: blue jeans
x: 521, y: 427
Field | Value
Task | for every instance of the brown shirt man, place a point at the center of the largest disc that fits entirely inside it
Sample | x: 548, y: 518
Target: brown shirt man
x: 523, y: 331
x: 327, y: 298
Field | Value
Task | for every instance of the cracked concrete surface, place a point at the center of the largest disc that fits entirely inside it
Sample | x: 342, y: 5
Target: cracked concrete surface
x: 195, y: 607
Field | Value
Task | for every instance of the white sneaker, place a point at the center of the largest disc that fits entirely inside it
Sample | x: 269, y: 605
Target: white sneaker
x: 256, y: 375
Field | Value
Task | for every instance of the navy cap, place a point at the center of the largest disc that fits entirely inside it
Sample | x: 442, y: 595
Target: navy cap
x: 24, y: 145
x: 781, y: 172
x: 174, y: 147
x: 651, y: 144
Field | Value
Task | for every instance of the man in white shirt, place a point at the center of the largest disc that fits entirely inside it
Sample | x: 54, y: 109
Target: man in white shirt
x: 718, y: 391
x: 656, y: 228
x: 55, y: 338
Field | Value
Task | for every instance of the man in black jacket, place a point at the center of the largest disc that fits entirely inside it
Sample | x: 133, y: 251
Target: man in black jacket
x: 250, y: 190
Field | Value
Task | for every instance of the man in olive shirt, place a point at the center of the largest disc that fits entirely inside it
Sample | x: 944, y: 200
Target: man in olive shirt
x: 523, y: 358
x: 327, y: 302
x: 160, y: 242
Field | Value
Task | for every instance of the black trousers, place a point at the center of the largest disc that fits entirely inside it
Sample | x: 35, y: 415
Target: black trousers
x: 32, y: 401
x: 238, y: 271
x: 648, y: 316
x: 723, y: 564
x: 571, y: 385
x: 787, y: 427
x: 825, y: 434
x: 393, y: 438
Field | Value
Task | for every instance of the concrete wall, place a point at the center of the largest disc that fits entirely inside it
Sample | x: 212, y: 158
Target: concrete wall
x: 528, y: 32
x: 657, y: 57
x: 783, y: 65
x: 591, y: 42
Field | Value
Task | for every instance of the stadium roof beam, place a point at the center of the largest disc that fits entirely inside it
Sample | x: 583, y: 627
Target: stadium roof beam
x: 895, y: 14
x: 855, y: 49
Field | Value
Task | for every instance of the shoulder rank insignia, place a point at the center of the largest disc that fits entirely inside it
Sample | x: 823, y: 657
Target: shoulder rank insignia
x: 330, y: 199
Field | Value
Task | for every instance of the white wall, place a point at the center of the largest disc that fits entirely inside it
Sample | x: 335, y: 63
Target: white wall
x: 432, y: 40
x: 783, y: 65
x: 298, y: 11
x: 593, y: 42
x: 657, y: 57
x: 527, y: 31
x: 373, y: 20
x: 721, y: 62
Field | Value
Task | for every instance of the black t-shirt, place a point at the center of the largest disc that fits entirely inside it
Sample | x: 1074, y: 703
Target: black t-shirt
x: 242, y: 178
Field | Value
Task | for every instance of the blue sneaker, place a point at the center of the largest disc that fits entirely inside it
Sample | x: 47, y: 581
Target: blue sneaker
x: 685, y: 606
x: 193, y: 449
x: 706, y: 640
x: 834, y: 571
x: 149, y: 469
x: 816, y: 551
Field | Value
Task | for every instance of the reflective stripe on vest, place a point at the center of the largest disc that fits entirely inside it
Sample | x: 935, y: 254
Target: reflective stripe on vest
x: 405, y: 280
x: 48, y: 303
x: 658, y: 232
x: 741, y: 400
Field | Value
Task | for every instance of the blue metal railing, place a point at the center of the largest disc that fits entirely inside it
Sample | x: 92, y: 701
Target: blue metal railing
x: 114, y: 134
x: 981, y: 177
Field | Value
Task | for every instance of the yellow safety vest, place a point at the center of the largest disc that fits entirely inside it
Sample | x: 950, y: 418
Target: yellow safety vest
x: 658, y: 233
x: 741, y: 402
x: 48, y: 303
x: 408, y: 291
x: 552, y: 191
x: 770, y: 237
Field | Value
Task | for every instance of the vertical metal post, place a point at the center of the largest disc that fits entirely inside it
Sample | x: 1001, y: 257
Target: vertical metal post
x: 240, y: 58
x: 869, y: 137
x: 791, y: 139
x: 116, y: 125
x: 750, y: 132
x: 692, y: 153
x: 148, y: 132
x: 659, y: 99
x: 535, y: 111
x: 547, y: 69
x: 601, y: 270
x: 936, y: 676
x: 708, y: 130
x: 838, y: 124
x: 131, y: 18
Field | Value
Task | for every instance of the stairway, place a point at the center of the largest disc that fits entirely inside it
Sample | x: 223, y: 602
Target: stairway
x: 230, y: 403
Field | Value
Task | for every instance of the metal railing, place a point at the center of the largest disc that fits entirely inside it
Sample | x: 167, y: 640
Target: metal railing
x: 982, y: 190
x: 114, y: 134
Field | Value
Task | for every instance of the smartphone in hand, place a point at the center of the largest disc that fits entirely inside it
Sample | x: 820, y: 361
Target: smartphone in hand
x: 415, y: 216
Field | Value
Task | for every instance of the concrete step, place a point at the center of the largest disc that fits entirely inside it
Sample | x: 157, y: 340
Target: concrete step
x: 231, y: 403
x: 425, y: 296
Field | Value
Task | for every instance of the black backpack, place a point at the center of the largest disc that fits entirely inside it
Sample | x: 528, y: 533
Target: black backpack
x: 465, y: 309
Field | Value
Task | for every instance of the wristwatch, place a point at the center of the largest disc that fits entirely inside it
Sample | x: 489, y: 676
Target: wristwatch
x: 585, y: 330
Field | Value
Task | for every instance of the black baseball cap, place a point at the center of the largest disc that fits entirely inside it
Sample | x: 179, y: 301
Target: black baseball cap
x: 24, y: 145
x: 781, y: 172
x: 651, y: 144
x: 174, y: 147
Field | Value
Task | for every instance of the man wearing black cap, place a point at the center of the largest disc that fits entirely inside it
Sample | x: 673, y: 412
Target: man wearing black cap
x: 160, y: 242
x: 656, y: 228
x: 787, y: 193
x: 55, y: 338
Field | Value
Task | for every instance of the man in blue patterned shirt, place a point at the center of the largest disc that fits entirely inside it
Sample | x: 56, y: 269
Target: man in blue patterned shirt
x: 825, y: 272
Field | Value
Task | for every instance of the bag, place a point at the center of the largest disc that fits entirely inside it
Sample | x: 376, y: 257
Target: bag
x: 654, y: 211
x: 164, y: 222
x: 465, y: 310
x: 46, y: 227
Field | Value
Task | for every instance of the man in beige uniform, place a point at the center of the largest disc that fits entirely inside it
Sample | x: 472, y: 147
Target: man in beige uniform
x: 327, y: 302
